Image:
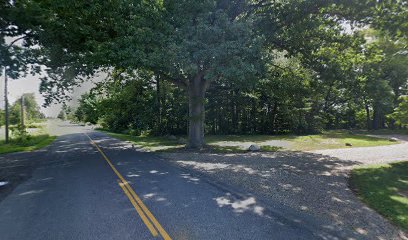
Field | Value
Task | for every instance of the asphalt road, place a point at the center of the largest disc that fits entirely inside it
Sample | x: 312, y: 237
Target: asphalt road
x: 81, y: 187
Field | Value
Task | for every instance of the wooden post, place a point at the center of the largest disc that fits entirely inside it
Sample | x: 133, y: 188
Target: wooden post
x: 6, y: 109
x: 22, y: 112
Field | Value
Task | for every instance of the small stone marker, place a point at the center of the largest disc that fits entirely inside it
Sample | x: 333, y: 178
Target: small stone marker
x: 182, y: 141
x: 393, y: 139
x: 349, y: 144
x: 254, y: 148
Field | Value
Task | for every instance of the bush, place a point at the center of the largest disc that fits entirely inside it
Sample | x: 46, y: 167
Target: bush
x: 20, y: 133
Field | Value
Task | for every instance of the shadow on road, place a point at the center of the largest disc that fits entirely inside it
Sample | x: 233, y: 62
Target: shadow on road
x: 305, y: 191
x: 311, y: 183
x: 16, y: 168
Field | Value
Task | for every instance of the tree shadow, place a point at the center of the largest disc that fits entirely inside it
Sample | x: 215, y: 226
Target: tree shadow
x: 384, y: 188
x: 16, y: 168
x: 298, y: 184
x: 303, y: 184
x: 311, y: 183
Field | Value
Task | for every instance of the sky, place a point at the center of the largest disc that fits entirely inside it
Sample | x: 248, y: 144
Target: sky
x: 31, y: 84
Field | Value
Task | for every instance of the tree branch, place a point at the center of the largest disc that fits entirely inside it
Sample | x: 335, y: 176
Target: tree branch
x: 179, y: 82
x: 15, y: 40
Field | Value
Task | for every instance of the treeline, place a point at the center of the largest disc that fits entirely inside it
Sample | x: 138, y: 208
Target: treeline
x: 31, y: 110
x: 246, y: 66
x: 359, y: 86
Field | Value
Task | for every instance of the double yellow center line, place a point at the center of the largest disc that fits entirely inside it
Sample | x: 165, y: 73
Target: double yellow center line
x: 147, y: 217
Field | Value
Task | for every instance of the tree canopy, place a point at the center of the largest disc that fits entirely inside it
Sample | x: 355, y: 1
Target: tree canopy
x: 261, y: 66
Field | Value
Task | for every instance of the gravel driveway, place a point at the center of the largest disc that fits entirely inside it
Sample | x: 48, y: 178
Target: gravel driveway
x: 370, y: 155
x: 312, y: 182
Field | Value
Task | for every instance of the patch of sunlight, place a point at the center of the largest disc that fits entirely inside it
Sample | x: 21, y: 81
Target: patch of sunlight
x: 205, y: 166
x: 157, y: 172
x: 403, y: 181
x: 290, y: 187
x: 361, y: 231
x: 394, y: 189
x: 189, y: 177
x: 31, y: 192
x: 161, y: 147
x: 304, y: 208
x: 240, y: 206
x: 3, y: 183
x: 336, y: 199
x: 149, y: 195
x: 44, y: 179
x: 400, y: 199
x: 218, y: 166
x: 242, y: 145
x: 242, y: 168
x: 133, y: 175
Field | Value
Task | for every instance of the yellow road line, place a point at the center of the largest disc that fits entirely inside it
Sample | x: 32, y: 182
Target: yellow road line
x: 139, y: 210
x: 148, y: 213
x: 125, y: 183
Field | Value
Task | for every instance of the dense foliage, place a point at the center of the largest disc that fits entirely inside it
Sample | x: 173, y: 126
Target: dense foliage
x: 221, y: 66
x: 361, y: 86
x: 31, y: 108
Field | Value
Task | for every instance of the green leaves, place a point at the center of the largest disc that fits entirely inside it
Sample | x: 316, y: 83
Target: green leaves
x: 295, y: 62
x: 400, y: 114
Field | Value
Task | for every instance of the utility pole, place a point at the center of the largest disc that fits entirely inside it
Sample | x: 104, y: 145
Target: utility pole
x: 22, y: 114
x: 6, y: 109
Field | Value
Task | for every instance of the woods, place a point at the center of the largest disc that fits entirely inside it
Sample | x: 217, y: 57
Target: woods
x: 222, y: 67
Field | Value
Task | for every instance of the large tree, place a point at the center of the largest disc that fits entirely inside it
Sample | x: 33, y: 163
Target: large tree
x: 189, y: 43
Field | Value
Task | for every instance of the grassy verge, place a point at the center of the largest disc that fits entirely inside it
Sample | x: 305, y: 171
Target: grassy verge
x: 165, y: 144
x: 211, y: 139
x: 385, y: 189
x: 326, y: 140
x: 384, y: 131
x: 35, y: 142
x: 337, y: 139
x: 148, y: 142
x: 268, y: 143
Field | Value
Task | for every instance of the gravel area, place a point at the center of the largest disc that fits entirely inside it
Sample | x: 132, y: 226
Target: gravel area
x: 305, y: 181
x: 372, y: 155
x: 245, y: 145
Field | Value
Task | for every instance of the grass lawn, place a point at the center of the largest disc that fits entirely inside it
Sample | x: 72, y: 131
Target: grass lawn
x: 326, y: 140
x: 385, y: 189
x: 148, y: 142
x: 35, y: 142
x: 336, y: 139
x: 164, y: 144
x: 384, y: 131
x: 268, y: 143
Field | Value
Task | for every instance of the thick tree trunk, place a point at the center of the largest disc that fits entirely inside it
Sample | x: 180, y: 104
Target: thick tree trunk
x: 234, y: 113
x: 368, y: 120
x: 253, y: 116
x: 274, y: 114
x: 196, y: 97
x: 6, y: 106
x: 376, y: 118
x: 158, y: 99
